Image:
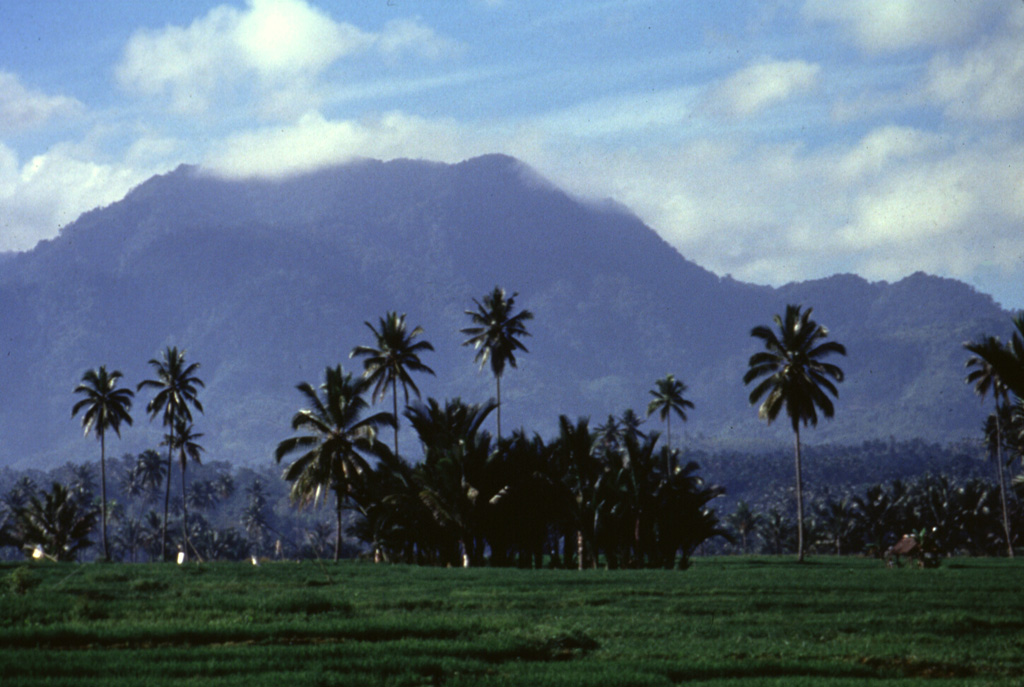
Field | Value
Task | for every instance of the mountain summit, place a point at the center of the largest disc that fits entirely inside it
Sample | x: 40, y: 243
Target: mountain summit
x: 265, y: 283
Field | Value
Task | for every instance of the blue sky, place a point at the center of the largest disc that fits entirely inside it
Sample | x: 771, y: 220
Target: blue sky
x: 773, y: 141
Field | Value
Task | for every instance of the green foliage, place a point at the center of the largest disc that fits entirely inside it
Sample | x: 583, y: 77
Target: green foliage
x: 731, y: 621
x: 21, y: 580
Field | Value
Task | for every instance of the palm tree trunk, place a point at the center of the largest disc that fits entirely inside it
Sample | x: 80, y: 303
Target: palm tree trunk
x: 102, y: 491
x: 799, y: 500
x: 184, y: 511
x: 394, y: 397
x: 337, y: 538
x: 497, y: 382
x: 167, y: 502
x: 1002, y: 484
x: 668, y: 436
x: 579, y: 548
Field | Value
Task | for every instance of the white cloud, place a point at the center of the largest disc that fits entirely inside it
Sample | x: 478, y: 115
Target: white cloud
x: 411, y: 36
x: 185, y: 63
x: 631, y: 113
x: 762, y: 85
x: 51, y: 190
x: 880, y: 148
x: 284, y: 44
x: 22, y: 108
x: 283, y: 38
x: 925, y: 203
x: 986, y: 83
x: 313, y: 142
x: 894, y: 25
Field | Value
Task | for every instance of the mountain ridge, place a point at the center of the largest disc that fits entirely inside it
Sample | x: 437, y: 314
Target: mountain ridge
x: 265, y: 282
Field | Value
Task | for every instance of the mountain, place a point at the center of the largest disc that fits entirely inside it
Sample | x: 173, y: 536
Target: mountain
x: 266, y: 282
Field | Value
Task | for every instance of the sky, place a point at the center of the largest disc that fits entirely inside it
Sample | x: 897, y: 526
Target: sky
x: 771, y: 141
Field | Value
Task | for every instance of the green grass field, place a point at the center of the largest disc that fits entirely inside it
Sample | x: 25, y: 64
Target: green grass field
x: 726, y: 621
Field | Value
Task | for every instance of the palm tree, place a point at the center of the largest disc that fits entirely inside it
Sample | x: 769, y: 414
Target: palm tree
x: 495, y: 335
x: 668, y: 399
x: 55, y: 523
x: 579, y: 470
x: 177, y: 388
x: 106, y: 407
x: 795, y: 379
x: 150, y: 471
x: 985, y: 379
x: 1008, y: 361
x: 395, y: 356
x: 184, y: 440
x: 336, y: 436
x: 744, y: 521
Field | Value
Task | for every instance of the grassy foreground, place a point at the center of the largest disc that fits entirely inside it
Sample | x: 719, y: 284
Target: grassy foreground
x: 726, y: 621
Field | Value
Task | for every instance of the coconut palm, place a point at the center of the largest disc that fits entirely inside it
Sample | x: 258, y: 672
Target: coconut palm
x: 55, y: 523
x: 985, y: 379
x: 395, y: 356
x: 336, y: 437
x: 1008, y: 361
x: 576, y: 463
x: 795, y: 379
x: 744, y: 521
x: 630, y: 425
x: 185, y: 441
x: 495, y: 335
x: 106, y: 406
x: 668, y: 400
x: 449, y: 482
x: 177, y: 388
x: 149, y: 471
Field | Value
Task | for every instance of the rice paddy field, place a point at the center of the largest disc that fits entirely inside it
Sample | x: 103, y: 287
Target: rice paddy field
x: 725, y: 622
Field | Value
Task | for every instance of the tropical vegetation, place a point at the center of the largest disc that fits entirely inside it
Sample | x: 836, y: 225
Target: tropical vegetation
x: 176, y: 387
x: 495, y: 334
x: 795, y: 379
x: 609, y: 494
x: 105, y: 407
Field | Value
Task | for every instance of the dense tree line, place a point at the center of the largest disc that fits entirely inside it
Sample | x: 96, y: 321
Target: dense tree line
x: 605, y: 494
x: 233, y: 513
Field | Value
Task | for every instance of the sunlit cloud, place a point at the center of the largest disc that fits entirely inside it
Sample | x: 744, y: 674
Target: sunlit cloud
x: 23, y: 108
x: 284, y: 45
x: 314, y: 142
x: 51, y: 190
x: 985, y: 83
x: 762, y: 85
x: 880, y: 26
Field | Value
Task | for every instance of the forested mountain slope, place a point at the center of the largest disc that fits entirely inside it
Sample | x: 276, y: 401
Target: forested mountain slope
x: 267, y: 282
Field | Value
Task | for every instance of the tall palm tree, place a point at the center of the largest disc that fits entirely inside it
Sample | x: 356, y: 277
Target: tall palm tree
x: 395, y: 356
x: 1008, y: 360
x: 185, y: 441
x: 668, y: 400
x: 495, y: 335
x: 177, y: 388
x: 985, y: 379
x: 336, y: 435
x: 106, y: 406
x: 795, y: 379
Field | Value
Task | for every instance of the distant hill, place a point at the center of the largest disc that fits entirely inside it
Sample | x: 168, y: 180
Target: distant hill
x: 267, y: 282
